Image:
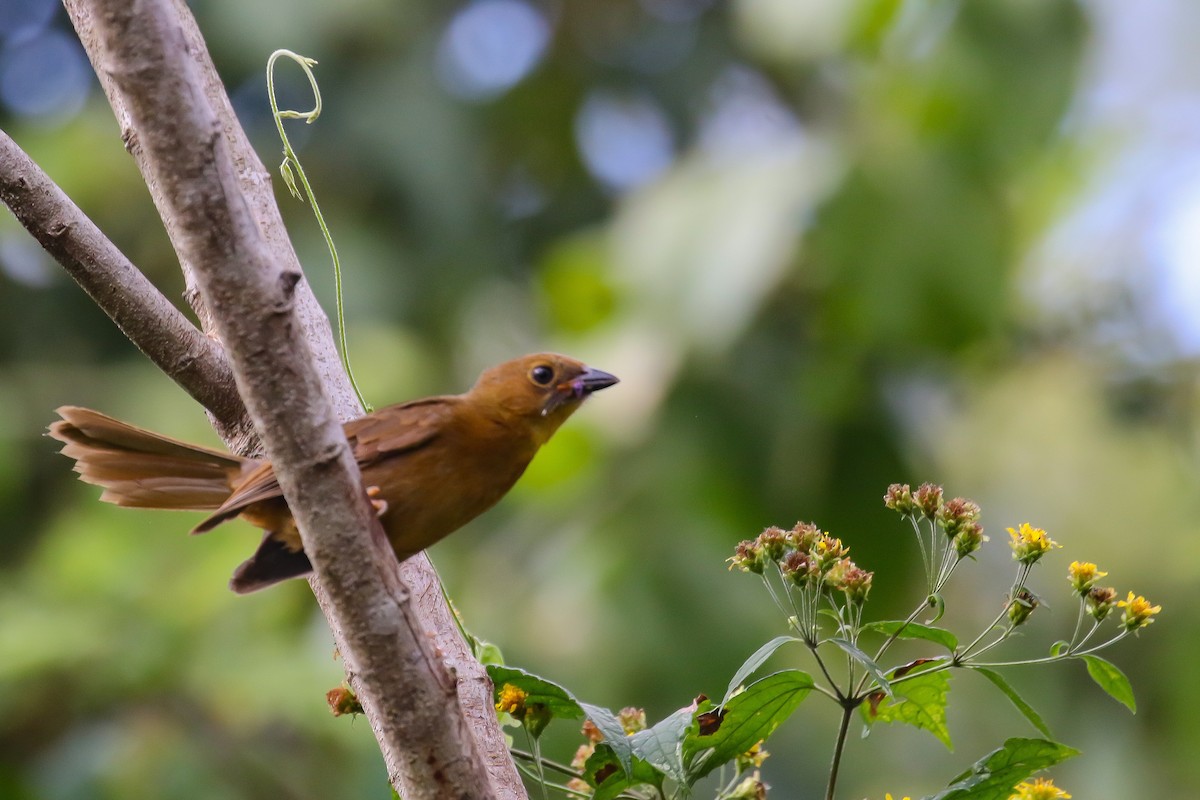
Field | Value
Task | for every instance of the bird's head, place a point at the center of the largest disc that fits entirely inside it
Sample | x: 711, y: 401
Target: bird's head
x: 543, y: 389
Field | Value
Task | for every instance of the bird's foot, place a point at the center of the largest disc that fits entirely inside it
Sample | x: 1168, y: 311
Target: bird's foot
x: 379, y: 504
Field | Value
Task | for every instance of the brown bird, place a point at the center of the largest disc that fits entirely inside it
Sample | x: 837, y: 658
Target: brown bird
x: 430, y: 466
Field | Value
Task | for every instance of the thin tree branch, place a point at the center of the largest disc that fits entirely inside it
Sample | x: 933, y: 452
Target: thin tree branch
x: 157, y: 74
x: 144, y: 315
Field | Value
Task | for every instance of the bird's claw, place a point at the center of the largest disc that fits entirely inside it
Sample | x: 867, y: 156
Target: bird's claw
x: 380, y: 505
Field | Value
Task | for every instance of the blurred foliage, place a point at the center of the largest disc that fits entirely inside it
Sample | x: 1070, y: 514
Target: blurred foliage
x: 808, y: 264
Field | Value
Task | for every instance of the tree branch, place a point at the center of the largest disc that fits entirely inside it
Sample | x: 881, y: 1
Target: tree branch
x: 216, y: 201
x: 144, y: 315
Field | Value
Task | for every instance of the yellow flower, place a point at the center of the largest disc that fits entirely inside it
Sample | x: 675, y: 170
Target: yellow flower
x: 1040, y: 789
x: 512, y: 700
x: 1138, y: 612
x: 1030, y: 543
x: 1083, y: 576
x: 888, y: 796
x: 752, y: 758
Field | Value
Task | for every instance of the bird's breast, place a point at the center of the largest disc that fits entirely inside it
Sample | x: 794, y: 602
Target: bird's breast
x: 435, y: 490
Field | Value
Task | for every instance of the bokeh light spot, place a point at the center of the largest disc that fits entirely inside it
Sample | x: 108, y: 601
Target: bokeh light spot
x: 20, y: 16
x: 44, y: 75
x: 490, y: 46
x: 625, y: 140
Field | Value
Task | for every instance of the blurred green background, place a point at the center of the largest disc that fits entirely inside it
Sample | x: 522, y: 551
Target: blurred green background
x: 827, y: 245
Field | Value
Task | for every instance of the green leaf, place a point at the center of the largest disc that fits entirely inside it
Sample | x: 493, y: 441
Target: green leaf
x: 487, y: 653
x: 754, y: 662
x: 914, y: 630
x: 868, y: 663
x: 544, y: 701
x: 1027, y: 710
x: 938, y: 603
x: 994, y: 776
x: 661, y: 744
x: 920, y: 702
x: 614, y: 734
x: 748, y: 718
x: 614, y: 781
x: 1112, y: 680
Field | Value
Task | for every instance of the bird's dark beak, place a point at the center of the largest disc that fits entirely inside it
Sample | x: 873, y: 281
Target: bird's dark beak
x: 593, y: 380
x: 579, y: 387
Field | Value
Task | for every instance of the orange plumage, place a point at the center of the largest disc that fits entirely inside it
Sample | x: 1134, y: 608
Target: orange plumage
x: 430, y: 465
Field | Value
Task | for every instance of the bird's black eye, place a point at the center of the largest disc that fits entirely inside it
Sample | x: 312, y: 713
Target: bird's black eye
x: 541, y: 375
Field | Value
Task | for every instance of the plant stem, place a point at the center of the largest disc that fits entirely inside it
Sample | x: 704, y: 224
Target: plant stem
x: 839, y: 746
x: 290, y: 161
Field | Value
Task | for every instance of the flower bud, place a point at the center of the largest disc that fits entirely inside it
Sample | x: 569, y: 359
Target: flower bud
x: 851, y: 579
x: 1100, y: 601
x: 803, y: 536
x: 773, y: 542
x: 899, y: 498
x: 632, y: 719
x: 798, y: 567
x: 752, y: 788
x: 928, y: 499
x: 969, y: 539
x: 827, y: 551
x: 1022, y: 606
x: 748, y: 557
x: 956, y: 514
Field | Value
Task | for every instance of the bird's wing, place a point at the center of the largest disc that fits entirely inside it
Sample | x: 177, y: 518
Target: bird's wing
x: 399, y: 429
x: 381, y: 434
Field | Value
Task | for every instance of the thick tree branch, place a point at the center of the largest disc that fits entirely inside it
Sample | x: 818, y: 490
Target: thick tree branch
x: 222, y: 220
x: 143, y: 314
x: 253, y: 178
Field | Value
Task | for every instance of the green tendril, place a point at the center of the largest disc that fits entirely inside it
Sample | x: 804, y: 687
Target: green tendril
x: 291, y: 169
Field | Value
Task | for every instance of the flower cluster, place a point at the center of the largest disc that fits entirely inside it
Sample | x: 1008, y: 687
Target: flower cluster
x: 957, y: 517
x: 1099, y: 601
x: 806, y: 556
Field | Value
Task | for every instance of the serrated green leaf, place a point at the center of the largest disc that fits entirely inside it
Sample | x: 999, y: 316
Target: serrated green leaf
x: 550, y: 699
x: 914, y: 630
x: 1003, y: 685
x: 1109, y: 678
x: 755, y: 661
x: 868, y: 663
x: 994, y: 776
x: 614, y: 734
x: 661, y: 745
x: 747, y: 719
x: 920, y: 702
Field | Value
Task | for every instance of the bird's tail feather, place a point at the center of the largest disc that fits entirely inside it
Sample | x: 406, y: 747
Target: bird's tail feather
x: 141, y: 469
x: 271, y: 563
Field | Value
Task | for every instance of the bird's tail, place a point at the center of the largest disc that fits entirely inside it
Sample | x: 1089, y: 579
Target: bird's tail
x: 141, y: 469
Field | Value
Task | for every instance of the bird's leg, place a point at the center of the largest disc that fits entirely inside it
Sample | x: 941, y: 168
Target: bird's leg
x: 380, y: 505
